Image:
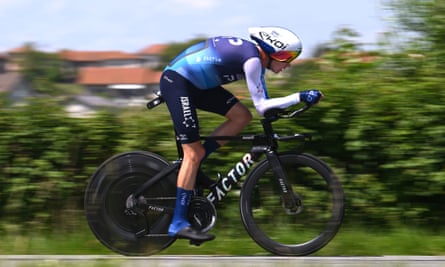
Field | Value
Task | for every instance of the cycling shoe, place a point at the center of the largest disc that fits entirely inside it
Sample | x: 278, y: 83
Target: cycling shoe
x: 190, y: 233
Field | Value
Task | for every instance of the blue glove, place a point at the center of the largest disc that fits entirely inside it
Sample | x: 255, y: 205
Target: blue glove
x: 310, y: 97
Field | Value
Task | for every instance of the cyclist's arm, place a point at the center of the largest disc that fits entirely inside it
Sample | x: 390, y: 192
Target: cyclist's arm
x: 258, y: 91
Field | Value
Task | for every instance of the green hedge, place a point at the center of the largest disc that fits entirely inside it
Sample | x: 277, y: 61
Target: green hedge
x: 380, y: 128
x: 45, y: 161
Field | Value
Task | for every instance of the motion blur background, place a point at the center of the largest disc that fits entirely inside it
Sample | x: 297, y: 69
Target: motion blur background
x: 380, y: 125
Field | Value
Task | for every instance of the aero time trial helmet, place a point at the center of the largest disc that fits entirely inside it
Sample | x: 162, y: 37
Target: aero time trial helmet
x: 279, y: 43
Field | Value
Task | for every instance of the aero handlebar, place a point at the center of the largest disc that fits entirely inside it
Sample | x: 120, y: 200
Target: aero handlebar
x: 271, y: 114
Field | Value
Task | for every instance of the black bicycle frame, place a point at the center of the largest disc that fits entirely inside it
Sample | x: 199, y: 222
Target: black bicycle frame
x: 262, y: 144
x: 225, y: 183
x: 241, y: 168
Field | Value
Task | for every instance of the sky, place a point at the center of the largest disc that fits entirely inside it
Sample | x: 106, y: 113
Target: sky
x: 129, y: 26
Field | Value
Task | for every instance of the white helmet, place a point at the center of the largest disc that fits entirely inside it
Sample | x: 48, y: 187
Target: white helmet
x: 279, y: 43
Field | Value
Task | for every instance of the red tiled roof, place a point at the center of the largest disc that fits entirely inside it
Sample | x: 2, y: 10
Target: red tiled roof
x: 155, y: 49
x: 117, y: 75
x: 72, y: 55
x: 19, y: 50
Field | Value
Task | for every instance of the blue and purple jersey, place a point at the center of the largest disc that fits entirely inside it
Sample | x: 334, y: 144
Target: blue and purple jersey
x: 215, y: 61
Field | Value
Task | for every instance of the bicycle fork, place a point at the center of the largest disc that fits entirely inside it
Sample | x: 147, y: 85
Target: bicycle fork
x: 291, y: 202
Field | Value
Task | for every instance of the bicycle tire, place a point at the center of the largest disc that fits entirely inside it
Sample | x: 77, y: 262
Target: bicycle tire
x: 105, y: 204
x: 280, y: 233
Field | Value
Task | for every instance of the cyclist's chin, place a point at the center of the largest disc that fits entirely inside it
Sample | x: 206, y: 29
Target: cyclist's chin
x: 276, y: 71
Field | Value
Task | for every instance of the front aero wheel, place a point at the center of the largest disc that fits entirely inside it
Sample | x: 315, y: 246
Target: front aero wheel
x: 306, y: 228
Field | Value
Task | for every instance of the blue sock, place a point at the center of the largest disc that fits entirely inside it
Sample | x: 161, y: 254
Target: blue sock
x: 180, y: 220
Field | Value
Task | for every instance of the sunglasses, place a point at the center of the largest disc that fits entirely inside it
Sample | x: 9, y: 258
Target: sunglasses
x: 285, y: 56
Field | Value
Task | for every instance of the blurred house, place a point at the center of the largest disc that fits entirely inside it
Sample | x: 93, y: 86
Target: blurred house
x: 111, y: 79
x: 12, y: 83
x: 14, y: 57
x: 120, y: 82
x: 152, y: 55
x: 79, y: 59
x: 113, y: 87
x: 86, y: 105
x: 3, y: 60
x: 73, y: 60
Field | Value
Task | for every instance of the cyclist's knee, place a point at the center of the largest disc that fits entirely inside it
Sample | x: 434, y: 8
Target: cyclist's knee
x: 194, y: 152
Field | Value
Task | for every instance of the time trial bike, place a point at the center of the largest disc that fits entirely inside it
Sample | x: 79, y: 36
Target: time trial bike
x: 291, y: 203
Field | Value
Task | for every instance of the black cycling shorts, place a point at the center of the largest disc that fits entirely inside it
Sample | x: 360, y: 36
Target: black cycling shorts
x: 183, y: 98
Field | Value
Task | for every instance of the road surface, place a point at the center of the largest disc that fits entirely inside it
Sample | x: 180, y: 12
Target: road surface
x: 217, y: 261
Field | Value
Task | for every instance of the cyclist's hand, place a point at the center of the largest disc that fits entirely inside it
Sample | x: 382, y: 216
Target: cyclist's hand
x: 311, y: 97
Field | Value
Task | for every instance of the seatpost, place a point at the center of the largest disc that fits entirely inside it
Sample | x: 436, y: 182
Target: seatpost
x: 269, y: 132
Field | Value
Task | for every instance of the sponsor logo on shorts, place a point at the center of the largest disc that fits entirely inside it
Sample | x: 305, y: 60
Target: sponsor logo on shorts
x: 231, y: 100
x: 189, y: 121
x: 182, y: 137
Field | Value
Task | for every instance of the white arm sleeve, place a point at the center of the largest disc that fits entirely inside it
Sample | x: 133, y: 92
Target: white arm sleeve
x: 257, y: 89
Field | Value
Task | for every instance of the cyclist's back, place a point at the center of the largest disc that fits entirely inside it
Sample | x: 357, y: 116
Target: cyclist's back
x: 215, y: 61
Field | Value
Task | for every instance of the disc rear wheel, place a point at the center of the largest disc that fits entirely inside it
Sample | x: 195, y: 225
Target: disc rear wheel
x: 135, y: 231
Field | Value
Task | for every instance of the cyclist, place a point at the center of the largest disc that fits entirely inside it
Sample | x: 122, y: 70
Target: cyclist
x: 193, y: 80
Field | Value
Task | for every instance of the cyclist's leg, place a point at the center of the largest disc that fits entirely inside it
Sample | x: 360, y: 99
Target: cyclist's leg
x: 180, y: 225
x: 220, y: 101
x: 178, y: 94
x: 238, y: 117
x: 193, y: 154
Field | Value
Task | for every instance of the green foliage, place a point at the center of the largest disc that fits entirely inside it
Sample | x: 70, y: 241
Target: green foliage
x: 45, y: 161
x: 41, y: 69
x: 380, y: 127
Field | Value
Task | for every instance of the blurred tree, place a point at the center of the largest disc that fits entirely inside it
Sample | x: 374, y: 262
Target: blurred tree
x: 320, y: 50
x: 42, y: 69
x: 421, y: 25
x: 424, y: 18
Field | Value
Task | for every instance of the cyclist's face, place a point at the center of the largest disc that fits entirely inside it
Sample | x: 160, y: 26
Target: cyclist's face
x: 278, y: 66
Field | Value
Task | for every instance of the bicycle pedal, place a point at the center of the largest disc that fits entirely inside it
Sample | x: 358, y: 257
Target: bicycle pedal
x: 195, y: 242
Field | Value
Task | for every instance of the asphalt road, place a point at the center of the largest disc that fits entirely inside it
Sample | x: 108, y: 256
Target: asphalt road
x: 216, y: 261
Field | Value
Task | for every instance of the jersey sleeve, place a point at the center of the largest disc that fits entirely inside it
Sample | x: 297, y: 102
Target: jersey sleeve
x: 254, y: 73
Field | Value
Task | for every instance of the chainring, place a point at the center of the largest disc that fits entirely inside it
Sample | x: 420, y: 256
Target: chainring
x: 202, y: 214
